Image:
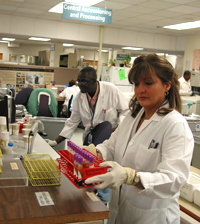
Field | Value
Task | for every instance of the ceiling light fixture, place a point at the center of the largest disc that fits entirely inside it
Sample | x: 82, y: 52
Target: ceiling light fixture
x: 68, y: 45
x: 39, y: 39
x: 59, y: 7
x: 3, y: 41
x: 160, y: 54
x: 184, y: 26
x: 8, y: 39
x: 133, y: 48
x: 104, y: 50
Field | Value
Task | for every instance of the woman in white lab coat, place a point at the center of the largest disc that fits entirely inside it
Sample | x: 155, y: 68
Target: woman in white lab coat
x: 151, y: 150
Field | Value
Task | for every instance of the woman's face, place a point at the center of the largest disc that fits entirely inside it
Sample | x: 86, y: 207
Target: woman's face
x: 150, y: 92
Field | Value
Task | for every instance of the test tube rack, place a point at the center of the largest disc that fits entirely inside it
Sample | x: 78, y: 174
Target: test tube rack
x: 67, y: 166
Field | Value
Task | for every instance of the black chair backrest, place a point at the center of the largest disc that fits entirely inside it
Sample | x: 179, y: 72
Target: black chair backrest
x: 43, y: 106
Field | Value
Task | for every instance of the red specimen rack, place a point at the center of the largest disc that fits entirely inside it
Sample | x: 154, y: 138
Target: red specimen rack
x: 66, y: 166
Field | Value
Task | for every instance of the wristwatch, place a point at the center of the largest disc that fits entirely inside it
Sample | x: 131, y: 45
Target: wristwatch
x: 136, y: 179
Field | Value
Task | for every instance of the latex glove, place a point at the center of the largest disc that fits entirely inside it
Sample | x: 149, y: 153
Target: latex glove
x: 91, y: 148
x: 113, y: 179
x: 116, y: 177
x: 51, y: 143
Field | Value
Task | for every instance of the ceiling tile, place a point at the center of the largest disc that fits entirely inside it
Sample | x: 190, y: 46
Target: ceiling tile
x: 7, y: 8
x: 149, y: 17
x: 158, y: 4
x: 180, y: 1
x: 140, y: 9
x: 166, y: 13
x: 194, y: 4
x: 125, y: 13
x: 35, y: 6
x: 116, y: 17
x: 184, y: 9
x: 28, y: 10
x: 132, y: 2
x: 111, y: 5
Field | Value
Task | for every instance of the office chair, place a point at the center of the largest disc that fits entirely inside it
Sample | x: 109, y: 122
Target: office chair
x: 23, y: 96
x: 42, y: 102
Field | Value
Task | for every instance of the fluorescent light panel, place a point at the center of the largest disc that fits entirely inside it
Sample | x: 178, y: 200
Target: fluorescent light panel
x: 59, y: 7
x: 133, y: 48
x: 104, y: 50
x: 8, y: 39
x: 39, y: 39
x: 3, y: 41
x: 68, y: 45
x: 184, y: 26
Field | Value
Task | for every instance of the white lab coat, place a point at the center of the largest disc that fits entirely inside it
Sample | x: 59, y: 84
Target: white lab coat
x: 163, y: 171
x: 68, y: 92
x: 185, y: 87
x: 110, y: 100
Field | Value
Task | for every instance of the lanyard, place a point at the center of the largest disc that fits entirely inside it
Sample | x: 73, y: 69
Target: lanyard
x: 91, y: 111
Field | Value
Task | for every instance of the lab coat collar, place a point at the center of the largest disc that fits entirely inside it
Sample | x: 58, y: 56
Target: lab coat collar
x: 155, y: 116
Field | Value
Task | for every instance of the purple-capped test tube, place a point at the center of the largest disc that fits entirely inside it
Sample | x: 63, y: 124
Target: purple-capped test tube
x: 91, y: 161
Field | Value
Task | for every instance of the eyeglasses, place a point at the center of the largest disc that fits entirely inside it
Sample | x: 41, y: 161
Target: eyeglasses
x: 84, y: 82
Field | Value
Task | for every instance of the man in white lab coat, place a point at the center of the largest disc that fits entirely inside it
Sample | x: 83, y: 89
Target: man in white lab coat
x: 185, y: 86
x: 96, y: 103
x: 99, y: 105
x: 69, y: 91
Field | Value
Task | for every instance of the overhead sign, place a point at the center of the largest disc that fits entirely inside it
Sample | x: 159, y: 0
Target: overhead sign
x: 84, y: 13
x: 52, y: 47
x: 121, y: 57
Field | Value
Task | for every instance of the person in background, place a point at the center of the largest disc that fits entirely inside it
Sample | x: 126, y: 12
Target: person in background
x: 185, y: 86
x: 69, y: 91
x: 100, y: 106
x: 150, y: 151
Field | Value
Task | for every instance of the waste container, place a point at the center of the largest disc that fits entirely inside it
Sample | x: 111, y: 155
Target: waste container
x: 53, y: 126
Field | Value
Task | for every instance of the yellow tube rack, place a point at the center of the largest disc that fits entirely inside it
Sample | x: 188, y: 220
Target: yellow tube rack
x: 42, y: 170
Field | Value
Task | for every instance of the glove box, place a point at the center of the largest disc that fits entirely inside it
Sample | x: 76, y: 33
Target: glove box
x: 187, y: 191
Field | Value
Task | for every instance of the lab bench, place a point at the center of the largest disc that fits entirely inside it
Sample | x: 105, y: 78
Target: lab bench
x: 19, y: 205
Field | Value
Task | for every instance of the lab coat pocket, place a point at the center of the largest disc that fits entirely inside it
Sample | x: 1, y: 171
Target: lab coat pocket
x: 132, y: 214
x: 147, y: 159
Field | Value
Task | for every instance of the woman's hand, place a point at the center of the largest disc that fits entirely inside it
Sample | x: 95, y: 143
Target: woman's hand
x: 113, y: 179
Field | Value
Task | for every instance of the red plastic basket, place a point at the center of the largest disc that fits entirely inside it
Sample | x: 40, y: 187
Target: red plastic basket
x: 66, y: 166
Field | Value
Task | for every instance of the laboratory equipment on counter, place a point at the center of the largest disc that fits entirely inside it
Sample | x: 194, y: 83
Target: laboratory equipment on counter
x: 189, y: 109
x: 13, y: 173
x: 194, y: 124
x: 112, y: 75
x: 41, y: 170
x: 187, y: 191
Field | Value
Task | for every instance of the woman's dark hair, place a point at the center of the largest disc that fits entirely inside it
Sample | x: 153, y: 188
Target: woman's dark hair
x: 154, y: 64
